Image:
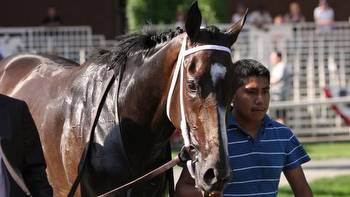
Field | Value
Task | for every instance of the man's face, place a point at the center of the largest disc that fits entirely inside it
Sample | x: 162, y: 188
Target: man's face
x: 252, y: 99
x: 274, y: 59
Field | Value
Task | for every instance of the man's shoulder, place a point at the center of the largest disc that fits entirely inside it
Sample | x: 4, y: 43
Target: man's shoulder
x: 274, y: 125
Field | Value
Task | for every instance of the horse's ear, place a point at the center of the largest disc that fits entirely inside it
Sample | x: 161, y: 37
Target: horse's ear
x: 193, y: 21
x: 234, y: 29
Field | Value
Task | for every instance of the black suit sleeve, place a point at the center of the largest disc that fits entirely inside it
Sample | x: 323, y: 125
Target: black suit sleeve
x: 34, y: 166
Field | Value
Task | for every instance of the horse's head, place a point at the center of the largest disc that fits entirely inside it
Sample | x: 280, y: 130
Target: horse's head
x: 205, y: 69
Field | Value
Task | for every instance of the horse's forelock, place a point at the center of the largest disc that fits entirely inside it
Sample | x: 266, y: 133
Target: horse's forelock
x: 213, y: 29
x: 211, y: 35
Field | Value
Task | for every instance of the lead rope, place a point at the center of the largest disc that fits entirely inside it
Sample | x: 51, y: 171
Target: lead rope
x: 180, y: 68
x: 180, y: 159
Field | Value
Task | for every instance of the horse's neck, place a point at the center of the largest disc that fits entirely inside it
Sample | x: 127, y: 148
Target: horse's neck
x: 145, y: 87
x: 143, y: 97
x: 84, y: 98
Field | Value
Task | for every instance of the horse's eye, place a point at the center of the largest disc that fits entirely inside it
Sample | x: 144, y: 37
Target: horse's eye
x: 192, y: 86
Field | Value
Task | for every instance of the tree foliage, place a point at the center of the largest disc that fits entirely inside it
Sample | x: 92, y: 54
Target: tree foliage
x: 141, y: 12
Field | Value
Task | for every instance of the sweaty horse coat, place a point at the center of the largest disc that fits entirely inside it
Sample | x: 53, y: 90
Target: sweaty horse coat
x: 133, y: 130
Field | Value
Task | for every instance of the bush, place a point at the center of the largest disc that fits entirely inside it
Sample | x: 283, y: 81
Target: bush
x: 141, y: 12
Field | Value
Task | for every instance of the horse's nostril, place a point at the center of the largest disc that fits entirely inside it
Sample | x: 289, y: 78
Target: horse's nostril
x: 209, y: 177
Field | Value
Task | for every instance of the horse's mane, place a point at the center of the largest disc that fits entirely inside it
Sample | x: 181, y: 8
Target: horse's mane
x: 130, y: 44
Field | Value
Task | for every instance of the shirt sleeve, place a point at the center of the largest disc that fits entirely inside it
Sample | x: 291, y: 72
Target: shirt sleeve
x: 295, y: 154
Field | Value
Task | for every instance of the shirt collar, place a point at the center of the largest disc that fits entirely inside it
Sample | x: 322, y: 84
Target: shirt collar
x: 232, y: 122
x: 267, y: 121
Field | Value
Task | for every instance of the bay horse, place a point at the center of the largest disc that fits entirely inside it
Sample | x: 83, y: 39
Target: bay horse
x: 188, y: 71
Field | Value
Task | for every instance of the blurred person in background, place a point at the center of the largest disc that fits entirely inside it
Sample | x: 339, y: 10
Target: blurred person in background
x: 294, y: 15
x: 260, y: 17
x: 240, y: 11
x: 278, y: 20
x: 279, y: 82
x: 323, y: 16
x: 52, y: 18
x: 180, y: 19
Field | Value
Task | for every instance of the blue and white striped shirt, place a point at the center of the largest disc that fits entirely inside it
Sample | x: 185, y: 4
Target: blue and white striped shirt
x: 256, y: 164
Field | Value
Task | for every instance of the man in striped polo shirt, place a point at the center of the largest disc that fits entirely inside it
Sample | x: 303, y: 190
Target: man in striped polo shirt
x: 259, y: 147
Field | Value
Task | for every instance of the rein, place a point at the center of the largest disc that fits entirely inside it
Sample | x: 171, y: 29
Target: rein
x: 181, y: 158
x: 145, y: 177
x: 87, y: 148
x: 97, y: 113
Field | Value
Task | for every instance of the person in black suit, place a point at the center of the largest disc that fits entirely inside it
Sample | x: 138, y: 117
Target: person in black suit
x: 23, y: 167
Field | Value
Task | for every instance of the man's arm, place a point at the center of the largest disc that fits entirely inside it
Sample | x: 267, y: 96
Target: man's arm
x: 34, y: 169
x: 298, y: 183
x: 185, y: 186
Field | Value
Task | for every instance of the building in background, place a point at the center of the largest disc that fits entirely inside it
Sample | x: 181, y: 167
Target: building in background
x: 105, y: 17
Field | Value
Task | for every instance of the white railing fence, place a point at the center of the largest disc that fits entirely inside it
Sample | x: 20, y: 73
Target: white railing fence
x: 317, y: 60
x: 72, y: 42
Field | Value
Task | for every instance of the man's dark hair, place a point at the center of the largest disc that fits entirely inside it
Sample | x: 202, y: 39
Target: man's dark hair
x: 279, y: 54
x: 245, y: 68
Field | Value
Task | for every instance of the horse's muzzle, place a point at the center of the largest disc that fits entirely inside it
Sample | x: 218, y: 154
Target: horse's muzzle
x: 212, y: 179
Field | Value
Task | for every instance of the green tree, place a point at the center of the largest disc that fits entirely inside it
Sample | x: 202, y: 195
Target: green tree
x: 140, y: 12
x: 214, y: 11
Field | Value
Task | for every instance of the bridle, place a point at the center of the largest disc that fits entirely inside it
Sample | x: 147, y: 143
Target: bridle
x: 184, y: 155
x: 180, y: 69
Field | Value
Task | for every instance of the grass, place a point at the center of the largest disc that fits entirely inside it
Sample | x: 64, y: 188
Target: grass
x: 327, y: 187
x: 321, y: 151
